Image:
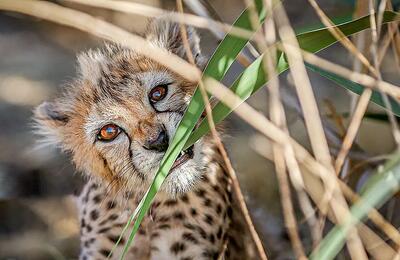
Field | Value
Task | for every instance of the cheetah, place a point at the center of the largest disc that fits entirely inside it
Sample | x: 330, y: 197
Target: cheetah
x: 116, y: 120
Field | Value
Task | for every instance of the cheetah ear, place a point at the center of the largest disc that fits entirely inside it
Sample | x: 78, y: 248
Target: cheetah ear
x: 165, y: 33
x: 91, y: 64
x: 49, y: 120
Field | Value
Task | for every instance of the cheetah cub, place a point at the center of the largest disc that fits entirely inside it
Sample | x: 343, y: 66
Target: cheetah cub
x: 116, y: 120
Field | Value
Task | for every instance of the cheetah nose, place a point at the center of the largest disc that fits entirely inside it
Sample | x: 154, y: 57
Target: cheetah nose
x: 159, y: 143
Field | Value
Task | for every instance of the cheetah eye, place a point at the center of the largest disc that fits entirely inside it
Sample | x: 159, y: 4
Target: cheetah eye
x: 108, y: 132
x: 158, y: 93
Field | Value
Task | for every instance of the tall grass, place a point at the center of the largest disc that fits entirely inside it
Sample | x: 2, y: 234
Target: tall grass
x: 327, y: 190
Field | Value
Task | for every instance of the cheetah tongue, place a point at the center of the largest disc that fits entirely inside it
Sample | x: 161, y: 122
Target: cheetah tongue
x: 183, y: 157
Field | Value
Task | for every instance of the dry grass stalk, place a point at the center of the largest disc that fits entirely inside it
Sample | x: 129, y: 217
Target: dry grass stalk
x: 375, y: 30
x: 263, y: 125
x: 235, y: 183
x: 87, y: 23
x: 338, y: 34
x: 360, y: 41
x: 386, y: 42
x: 394, y: 30
x: 366, y: 95
x: 260, y: 123
x: 150, y: 11
x: 315, y: 129
x: 303, y: 88
x: 218, y: 28
x: 362, y: 79
x: 338, y: 119
x: 284, y: 155
x: 352, y: 130
x: 373, y: 243
x: 307, y: 102
x: 362, y: 105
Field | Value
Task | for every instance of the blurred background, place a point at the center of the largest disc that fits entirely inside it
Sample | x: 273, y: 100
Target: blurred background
x: 37, y: 186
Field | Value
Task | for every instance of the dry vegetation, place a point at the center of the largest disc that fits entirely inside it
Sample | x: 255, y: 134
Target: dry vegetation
x: 318, y: 177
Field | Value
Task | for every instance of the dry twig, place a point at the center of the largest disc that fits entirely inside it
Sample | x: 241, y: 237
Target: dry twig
x: 235, y: 183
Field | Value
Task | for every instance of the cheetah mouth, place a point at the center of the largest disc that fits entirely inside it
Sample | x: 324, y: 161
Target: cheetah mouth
x: 183, y: 157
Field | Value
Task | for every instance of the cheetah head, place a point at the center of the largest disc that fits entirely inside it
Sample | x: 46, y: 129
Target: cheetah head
x: 118, y: 117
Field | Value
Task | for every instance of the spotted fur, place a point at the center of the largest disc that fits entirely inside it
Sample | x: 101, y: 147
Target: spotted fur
x: 193, y: 216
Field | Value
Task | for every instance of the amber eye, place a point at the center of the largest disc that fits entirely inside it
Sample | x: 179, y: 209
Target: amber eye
x: 158, y: 93
x: 108, y: 132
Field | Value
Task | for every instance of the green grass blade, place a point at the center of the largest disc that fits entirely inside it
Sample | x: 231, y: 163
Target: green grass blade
x: 320, y: 39
x: 356, y: 88
x: 217, y: 67
x: 313, y: 41
x: 385, y: 184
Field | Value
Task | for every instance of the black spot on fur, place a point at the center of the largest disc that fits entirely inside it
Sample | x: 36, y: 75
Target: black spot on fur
x: 113, y: 217
x: 141, y: 231
x: 200, y: 192
x: 170, y: 203
x: 218, y: 209
x: 94, y: 186
x: 164, y: 226
x: 211, y: 238
x: 202, y: 233
x: 89, y: 228
x: 97, y: 198
x: 207, y: 202
x: 111, y: 204
x: 105, y: 252
x: 216, y: 188
x: 229, y: 212
x: 189, y: 226
x: 105, y: 163
x: 177, y: 247
x: 219, y: 233
x: 208, y: 219
x: 189, y: 237
x: 94, y: 214
x: 185, y: 198
x: 211, y: 254
x: 114, y: 239
x: 193, y: 212
x: 179, y: 215
x: 103, y: 230
x: 83, y: 223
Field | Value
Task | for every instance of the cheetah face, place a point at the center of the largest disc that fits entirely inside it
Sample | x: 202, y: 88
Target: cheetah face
x: 118, y: 118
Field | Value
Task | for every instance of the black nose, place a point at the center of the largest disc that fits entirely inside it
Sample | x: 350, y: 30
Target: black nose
x: 159, y: 143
